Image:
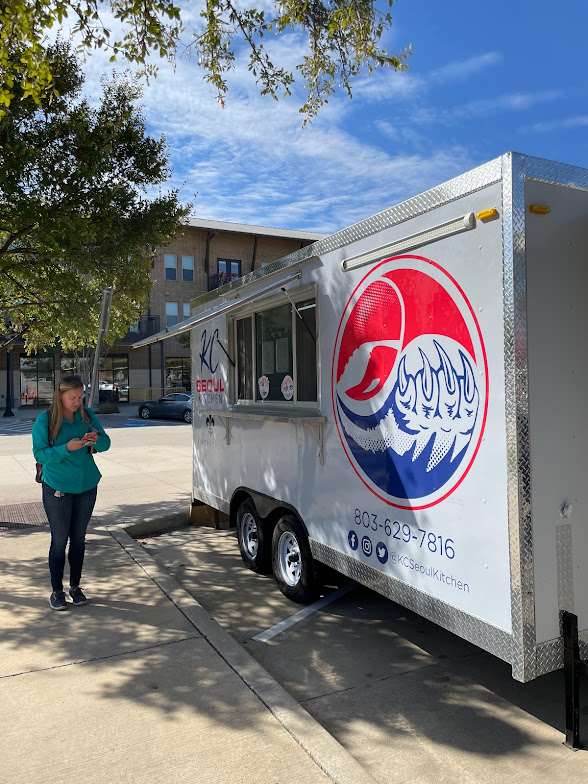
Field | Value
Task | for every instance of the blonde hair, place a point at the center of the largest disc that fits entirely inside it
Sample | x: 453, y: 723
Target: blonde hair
x: 56, y: 408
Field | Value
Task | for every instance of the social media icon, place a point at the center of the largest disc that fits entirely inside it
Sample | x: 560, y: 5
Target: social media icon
x: 366, y: 545
x: 353, y: 540
x: 382, y: 552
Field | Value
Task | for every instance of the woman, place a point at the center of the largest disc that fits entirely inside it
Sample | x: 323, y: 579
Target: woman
x: 64, y: 438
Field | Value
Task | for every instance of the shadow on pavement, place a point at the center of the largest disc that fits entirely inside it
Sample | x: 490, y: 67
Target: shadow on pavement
x: 138, y: 647
x: 366, y: 662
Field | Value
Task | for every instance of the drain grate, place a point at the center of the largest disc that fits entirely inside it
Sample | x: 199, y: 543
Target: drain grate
x: 19, y: 516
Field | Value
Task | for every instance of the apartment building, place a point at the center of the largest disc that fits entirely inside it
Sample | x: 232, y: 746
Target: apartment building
x: 207, y: 254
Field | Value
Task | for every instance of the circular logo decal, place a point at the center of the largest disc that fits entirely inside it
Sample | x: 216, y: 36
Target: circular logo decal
x: 410, y: 382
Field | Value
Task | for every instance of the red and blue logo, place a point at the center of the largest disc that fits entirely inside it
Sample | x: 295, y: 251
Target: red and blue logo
x: 410, y: 382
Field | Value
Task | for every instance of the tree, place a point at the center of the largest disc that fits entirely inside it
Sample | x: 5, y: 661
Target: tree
x: 74, y: 211
x: 342, y: 40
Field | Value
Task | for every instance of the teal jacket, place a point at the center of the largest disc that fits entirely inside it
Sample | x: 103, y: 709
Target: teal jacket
x: 68, y: 472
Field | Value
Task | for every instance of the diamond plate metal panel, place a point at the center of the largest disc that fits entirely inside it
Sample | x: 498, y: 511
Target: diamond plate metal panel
x: 517, y: 419
x: 469, y: 627
x: 550, y: 654
x: 529, y: 660
x: 565, y: 571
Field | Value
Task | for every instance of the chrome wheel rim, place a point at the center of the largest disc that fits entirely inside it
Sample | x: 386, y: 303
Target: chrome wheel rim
x: 145, y: 413
x: 289, y: 561
x: 249, y: 535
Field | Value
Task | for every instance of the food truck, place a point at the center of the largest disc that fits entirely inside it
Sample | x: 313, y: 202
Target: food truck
x: 405, y: 401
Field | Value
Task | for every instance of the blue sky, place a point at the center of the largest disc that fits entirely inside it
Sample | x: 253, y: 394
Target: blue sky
x: 484, y: 78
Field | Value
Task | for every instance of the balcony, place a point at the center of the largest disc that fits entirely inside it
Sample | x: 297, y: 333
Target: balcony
x: 216, y: 281
x: 146, y: 326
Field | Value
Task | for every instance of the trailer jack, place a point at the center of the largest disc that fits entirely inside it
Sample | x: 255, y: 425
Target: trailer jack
x: 573, y: 667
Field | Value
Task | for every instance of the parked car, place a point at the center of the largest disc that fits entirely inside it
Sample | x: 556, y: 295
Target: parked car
x: 177, y: 405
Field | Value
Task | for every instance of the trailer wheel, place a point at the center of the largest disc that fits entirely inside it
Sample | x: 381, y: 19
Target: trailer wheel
x: 255, y: 552
x: 292, y: 561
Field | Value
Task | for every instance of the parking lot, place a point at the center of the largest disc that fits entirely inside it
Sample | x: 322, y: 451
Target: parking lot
x: 407, y: 699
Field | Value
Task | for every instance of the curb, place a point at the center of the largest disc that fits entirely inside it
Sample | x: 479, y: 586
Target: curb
x: 157, y: 525
x: 336, y: 762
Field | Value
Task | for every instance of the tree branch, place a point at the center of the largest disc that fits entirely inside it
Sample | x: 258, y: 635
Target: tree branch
x: 16, y: 236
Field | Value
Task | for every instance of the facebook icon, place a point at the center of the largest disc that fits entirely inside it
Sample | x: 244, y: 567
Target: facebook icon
x: 353, y: 540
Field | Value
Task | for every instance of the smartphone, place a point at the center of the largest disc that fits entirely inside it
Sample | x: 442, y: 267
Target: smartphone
x: 91, y: 446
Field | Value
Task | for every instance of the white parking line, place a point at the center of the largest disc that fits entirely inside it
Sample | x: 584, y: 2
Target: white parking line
x: 280, y: 627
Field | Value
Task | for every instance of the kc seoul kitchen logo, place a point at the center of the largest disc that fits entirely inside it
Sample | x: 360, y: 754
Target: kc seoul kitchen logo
x: 410, y: 382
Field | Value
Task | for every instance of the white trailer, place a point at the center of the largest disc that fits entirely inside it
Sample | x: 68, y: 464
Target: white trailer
x: 405, y: 401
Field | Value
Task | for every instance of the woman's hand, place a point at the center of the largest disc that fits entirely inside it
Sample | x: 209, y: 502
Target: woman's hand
x: 79, y: 443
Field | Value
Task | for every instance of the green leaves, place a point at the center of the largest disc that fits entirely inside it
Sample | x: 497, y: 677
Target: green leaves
x: 343, y: 40
x: 148, y: 25
x: 74, y: 215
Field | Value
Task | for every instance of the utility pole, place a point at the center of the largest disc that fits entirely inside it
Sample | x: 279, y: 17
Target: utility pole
x: 8, y: 412
x: 102, y: 330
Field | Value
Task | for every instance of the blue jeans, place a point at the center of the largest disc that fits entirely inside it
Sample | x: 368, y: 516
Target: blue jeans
x: 68, y: 519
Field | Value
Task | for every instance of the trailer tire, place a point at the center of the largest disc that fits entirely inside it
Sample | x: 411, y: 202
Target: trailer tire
x: 251, y: 535
x: 292, y: 561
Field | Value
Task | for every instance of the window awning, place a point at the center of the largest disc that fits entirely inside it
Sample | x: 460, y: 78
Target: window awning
x: 217, y: 310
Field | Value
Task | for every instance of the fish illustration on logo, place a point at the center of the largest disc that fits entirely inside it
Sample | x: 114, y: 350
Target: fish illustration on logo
x: 410, y: 382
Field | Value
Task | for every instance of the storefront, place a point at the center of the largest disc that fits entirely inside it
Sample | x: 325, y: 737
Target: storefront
x: 113, y: 380
x: 38, y: 374
x: 178, y: 372
x: 37, y: 379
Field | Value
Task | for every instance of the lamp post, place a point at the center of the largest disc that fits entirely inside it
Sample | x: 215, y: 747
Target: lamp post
x: 8, y: 412
x: 102, y: 330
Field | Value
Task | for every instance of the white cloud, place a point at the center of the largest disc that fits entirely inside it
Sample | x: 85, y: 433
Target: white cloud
x: 578, y: 121
x: 464, y: 69
x: 251, y: 162
x: 387, y: 85
x: 509, y: 102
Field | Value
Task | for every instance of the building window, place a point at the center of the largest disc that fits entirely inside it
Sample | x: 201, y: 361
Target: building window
x: 37, y: 379
x: 228, y: 270
x: 178, y: 372
x: 113, y: 378
x: 186, y: 310
x: 188, y: 268
x: 276, y: 354
x: 171, y: 314
x: 171, y: 266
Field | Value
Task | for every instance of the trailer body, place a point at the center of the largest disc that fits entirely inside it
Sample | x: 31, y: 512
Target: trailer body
x: 440, y: 454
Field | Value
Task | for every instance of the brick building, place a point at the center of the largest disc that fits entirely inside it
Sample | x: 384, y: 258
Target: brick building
x: 207, y: 254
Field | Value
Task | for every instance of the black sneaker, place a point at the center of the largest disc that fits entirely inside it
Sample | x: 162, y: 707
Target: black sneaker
x: 77, y: 595
x: 57, y: 601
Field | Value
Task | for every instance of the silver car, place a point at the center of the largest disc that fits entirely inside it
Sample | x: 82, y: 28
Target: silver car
x: 178, y: 405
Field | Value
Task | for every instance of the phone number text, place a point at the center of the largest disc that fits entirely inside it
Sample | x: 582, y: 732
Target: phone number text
x: 403, y: 532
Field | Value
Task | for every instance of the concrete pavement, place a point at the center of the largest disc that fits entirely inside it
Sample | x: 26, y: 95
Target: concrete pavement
x: 158, y: 691
x: 141, y: 684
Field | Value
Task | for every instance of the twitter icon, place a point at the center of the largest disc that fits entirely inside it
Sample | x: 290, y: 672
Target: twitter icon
x: 382, y: 552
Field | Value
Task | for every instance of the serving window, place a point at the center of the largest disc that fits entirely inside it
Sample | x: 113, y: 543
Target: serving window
x: 277, y: 353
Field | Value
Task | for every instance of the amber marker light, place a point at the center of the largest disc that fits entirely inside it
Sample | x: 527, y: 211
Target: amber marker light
x: 485, y: 214
x: 540, y: 209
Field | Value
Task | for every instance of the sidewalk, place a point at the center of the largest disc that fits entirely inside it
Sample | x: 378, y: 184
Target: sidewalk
x: 127, y: 689
x: 148, y: 482
x: 141, y: 684
x: 25, y: 413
